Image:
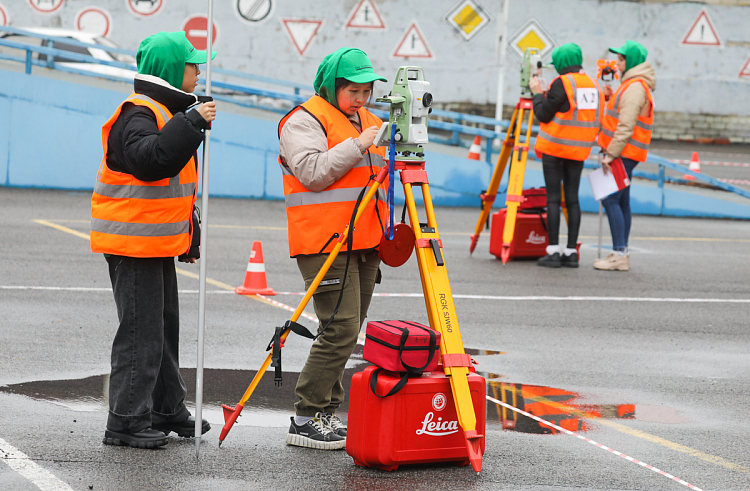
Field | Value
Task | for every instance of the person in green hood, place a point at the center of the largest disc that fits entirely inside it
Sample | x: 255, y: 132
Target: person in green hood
x: 569, y: 115
x: 626, y: 133
x: 142, y: 216
x: 327, y: 159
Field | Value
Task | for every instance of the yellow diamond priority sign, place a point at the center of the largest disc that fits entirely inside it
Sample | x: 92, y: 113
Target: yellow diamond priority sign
x: 532, y: 35
x: 467, y: 18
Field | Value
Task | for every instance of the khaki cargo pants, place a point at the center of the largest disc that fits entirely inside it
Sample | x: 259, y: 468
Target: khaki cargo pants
x: 319, y: 387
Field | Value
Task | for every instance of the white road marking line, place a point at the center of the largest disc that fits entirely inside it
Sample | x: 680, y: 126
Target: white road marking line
x: 421, y: 295
x: 22, y: 464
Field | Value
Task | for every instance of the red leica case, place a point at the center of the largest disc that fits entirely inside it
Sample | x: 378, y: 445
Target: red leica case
x: 416, y: 425
x: 530, y: 237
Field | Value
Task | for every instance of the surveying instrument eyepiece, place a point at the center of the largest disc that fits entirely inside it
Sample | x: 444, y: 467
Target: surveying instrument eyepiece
x: 410, y: 103
x: 531, y: 66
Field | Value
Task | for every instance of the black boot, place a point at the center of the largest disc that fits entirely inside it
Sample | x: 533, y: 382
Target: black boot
x: 147, y: 438
x: 185, y: 428
x: 569, y: 261
x: 549, y: 261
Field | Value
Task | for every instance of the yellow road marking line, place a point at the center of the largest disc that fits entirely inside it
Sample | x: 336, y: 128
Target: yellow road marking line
x: 181, y: 271
x: 713, y: 459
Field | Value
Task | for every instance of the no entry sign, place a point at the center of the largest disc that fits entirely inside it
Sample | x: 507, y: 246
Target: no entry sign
x: 196, y: 28
x: 94, y: 20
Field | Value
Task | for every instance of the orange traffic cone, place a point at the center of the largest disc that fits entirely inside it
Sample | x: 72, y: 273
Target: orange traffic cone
x: 255, y: 277
x: 475, y: 152
x: 695, y: 166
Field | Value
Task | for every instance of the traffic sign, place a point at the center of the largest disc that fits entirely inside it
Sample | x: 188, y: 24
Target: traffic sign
x: 467, y: 18
x: 365, y: 16
x: 4, y: 19
x: 46, y: 6
x: 702, y: 32
x: 301, y: 32
x: 254, y: 11
x: 413, y: 44
x: 745, y: 72
x: 94, y: 20
x: 195, y: 28
x: 532, y: 35
x: 145, y: 7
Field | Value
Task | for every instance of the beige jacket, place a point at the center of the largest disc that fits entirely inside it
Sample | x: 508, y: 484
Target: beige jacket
x: 633, y: 102
x: 303, y: 147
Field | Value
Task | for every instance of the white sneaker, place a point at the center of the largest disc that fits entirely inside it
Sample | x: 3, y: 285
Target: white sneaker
x: 334, y: 423
x: 613, y: 262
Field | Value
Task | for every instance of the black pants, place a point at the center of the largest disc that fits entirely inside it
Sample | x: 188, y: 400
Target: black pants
x: 567, y: 172
x: 145, y: 385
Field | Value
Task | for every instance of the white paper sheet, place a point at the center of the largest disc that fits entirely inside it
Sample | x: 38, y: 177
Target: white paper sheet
x: 602, y: 184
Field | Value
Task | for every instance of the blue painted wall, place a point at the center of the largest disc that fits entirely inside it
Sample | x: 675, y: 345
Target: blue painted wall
x: 50, y: 137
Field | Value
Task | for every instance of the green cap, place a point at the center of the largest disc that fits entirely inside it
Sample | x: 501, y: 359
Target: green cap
x: 634, y: 53
x: 566, y: 55
x: 164, y: 55
x: 351, y: 64
x: 356, y: 67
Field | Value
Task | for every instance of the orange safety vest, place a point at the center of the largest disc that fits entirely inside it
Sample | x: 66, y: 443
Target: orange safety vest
x: 135, y: 218
x: 572, y: 134
x: 637, y: 146
x: 314, y: 217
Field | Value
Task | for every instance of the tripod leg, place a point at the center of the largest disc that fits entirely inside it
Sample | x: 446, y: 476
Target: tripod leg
x: 442, y: 314
x: 488, y: 198
x: 515, y: 180
x: 230, y: 413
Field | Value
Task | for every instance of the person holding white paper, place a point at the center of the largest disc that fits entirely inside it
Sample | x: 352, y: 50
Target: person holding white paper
x: 570, y: 115
x: 626, y: 133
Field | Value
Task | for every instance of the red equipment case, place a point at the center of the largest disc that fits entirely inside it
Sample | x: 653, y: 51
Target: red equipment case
x: 387, y: 346
x: 416, y: 425
x: 530, y: 237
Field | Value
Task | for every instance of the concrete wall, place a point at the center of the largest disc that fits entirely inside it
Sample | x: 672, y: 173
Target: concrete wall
x: 50, y: 137
x: 694, y: 80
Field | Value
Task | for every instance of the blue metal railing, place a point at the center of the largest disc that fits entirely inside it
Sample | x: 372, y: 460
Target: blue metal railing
x: 301, y: 92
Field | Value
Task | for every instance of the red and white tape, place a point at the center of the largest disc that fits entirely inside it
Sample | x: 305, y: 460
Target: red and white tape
x: 714, y: 162
x: 603, y: 447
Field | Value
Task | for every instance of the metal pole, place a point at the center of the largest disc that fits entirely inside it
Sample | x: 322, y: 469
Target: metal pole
x: 503, y: 40
x: 599, y: 250
x: 204, y: 239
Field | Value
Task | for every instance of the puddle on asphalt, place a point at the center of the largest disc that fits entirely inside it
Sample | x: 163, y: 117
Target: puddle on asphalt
x: 271, y: 406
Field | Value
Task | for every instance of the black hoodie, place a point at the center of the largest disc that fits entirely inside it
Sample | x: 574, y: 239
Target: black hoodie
x: 556, y: 101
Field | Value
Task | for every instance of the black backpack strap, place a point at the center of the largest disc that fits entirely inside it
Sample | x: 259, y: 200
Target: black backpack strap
x: 374, y: 383
x: 276, y: 345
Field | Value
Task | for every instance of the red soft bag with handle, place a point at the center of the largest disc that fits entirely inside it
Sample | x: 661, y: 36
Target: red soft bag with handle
x: 402, y: 346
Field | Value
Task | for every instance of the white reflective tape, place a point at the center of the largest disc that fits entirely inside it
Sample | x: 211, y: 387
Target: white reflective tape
x: 256, y: 268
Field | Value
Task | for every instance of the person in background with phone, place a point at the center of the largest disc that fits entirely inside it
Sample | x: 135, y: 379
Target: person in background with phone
x: 626, y: 133
x: 570, y: 115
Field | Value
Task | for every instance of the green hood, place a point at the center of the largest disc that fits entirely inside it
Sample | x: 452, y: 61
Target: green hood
x: 349, y: 63
x: 566, y: 55
x: 164, y: 55
x: 634, y: 53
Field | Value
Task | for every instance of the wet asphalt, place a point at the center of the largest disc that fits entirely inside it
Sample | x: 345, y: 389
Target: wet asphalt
x: 668, y: 339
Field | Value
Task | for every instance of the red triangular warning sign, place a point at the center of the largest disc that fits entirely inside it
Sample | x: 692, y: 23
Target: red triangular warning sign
x: 365, y: 16
x: 301, y: 32
x: 413, y: 44
x: 702, y: 32
x: 745, y: 72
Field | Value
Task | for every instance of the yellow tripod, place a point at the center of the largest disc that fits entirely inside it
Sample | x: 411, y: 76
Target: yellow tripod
x: 520, y: 152
x: 438, y: 299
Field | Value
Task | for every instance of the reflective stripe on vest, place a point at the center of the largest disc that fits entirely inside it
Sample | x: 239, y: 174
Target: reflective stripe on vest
x: 637, y: 146
x: 315, y: 216
x: 137, y: 218
x: 572, y: 134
